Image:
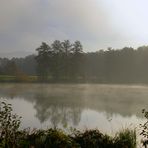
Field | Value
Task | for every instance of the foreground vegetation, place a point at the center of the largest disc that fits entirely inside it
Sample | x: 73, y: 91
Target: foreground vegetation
x: 55, y: 138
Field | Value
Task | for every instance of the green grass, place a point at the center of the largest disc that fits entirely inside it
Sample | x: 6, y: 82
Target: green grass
x: 7, y: 78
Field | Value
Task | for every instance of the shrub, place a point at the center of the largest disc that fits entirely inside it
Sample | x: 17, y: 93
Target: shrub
x: 144, y: 128
x: 93, y: 139
x: 9, y: 125
x: 57, y: 139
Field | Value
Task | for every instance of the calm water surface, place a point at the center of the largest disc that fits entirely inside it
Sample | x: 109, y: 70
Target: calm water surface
x: 107, y: 107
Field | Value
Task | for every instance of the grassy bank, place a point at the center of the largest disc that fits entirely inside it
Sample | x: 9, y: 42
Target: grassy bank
x: 20, y: 78
x: 56, y: 138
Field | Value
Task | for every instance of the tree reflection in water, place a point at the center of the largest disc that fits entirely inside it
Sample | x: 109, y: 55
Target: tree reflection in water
x: 63, y: 104
x: 58, y: 112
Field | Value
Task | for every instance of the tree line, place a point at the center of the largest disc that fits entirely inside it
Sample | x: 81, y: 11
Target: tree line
x: 66, y: 61
x: 12, y: 66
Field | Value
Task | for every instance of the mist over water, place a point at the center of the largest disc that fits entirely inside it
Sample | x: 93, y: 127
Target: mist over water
x: 106, y: 107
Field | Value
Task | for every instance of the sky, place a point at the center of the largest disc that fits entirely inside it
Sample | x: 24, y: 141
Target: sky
x: 98, y: 24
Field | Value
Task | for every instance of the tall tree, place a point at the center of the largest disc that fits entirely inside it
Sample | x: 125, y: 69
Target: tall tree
x: 77, y: 59
x: 66, y: 45
x: 44, y: 59
x: 57, y: 59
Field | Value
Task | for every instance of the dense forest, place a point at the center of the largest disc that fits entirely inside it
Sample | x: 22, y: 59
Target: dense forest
x: 67, y: 62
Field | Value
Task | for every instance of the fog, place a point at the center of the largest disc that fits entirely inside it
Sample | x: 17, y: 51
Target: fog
x: 45, y: 105
x: 98, y: 24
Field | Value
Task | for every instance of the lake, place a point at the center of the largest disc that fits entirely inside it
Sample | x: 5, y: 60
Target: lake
x: 83, y: 106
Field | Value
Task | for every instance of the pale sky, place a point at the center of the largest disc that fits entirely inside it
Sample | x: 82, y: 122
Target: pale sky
x: 98, y: 24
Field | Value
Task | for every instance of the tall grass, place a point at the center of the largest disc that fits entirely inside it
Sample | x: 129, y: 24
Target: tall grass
x: 126, y: 138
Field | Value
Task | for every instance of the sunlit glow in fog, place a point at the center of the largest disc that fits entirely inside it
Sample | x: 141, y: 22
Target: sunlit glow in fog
x: 130, y: 17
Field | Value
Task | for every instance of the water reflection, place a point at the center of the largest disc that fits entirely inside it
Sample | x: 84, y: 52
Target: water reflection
x: 67, y: 104
x: 58, y: 110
